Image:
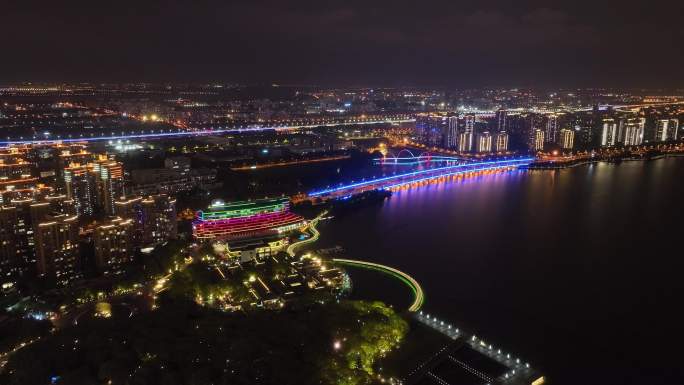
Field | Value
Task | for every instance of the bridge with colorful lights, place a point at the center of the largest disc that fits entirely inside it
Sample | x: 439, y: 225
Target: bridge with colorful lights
x: 424, y: 176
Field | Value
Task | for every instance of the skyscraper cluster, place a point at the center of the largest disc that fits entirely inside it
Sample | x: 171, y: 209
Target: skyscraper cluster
x: 56, y: 199
x: 531, y: 131
x: 463, y: 132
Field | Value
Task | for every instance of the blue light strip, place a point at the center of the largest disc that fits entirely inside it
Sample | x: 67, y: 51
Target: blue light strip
x: 359, y: 184
x: 198, y: 132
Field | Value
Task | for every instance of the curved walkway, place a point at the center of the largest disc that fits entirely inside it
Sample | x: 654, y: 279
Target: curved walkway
x: 313, y: 238
x: 418, y: 296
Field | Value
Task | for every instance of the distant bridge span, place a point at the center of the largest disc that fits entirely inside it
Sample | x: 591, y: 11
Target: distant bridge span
x: 145, y: 135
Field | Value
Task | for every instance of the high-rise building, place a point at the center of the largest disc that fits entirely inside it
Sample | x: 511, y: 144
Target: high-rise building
x: 113, y: 246
x: 538, y: 140
x: 567, y: 138
x: 609, y: 132
x: 81, y: 186
x: 666, y: 129
x: 484, y: 142
x: 153, y: 219
x: 631, y: 131
x: 25, y: 234
x: 551, y: 132
x: 72, y: 155
x: 11, y: 264
x: 464, y: 141
x: 159, y: 219
x: 15, y: 168
x: 470, y: 129
x: 501, y: 117
x: 430, y: 129
x: 451, y: 135
x: 57, y: 250
x: 501, y: 141
x: 131, y: 208
x: 110, y: 179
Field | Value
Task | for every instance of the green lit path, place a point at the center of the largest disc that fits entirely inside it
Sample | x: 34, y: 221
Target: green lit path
x: 418, y: 296
x: 314, y: 237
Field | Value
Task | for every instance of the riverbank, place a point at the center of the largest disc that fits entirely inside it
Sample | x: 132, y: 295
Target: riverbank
x: 557, y: 165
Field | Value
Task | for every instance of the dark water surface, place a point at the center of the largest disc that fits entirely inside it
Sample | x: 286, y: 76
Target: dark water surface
x: 578, y: 271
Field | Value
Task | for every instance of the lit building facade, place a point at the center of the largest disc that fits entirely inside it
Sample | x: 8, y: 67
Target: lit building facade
x: 81, y: 187
x: 484, y: 142
x: 551, y: 132
x: 464, y: 141
x: 567, y: 138
x: 609, y: 133
x: 57, y: 250
x: 470, y: 130
x: 236, y: 220
x: 501, y: 117
x: 538, y: 140
x: 11, y: 264
x: 451, y: 134
x: 159, y: 222
x: 666, y: 129
x: 113, y: 246
x: 632, y: 131
x: 131, y: 208
x: 502, y: 141
x: 110, y: 183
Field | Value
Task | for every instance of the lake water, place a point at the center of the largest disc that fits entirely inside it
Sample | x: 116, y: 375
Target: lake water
x: 578, y: 271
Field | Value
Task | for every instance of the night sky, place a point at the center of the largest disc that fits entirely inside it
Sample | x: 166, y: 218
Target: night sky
x: 369, y: 42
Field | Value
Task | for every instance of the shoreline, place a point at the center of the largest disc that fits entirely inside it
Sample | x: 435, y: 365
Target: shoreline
x: 566, y: 165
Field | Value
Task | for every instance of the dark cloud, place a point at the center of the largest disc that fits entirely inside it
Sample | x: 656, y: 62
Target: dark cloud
x: 448, y: 42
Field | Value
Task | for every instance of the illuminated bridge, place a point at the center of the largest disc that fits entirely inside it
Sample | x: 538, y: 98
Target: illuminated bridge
x: 211, y: 129
x: 422, y: 176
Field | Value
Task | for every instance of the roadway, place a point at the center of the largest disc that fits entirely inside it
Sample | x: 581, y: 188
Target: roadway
x: 313, y: 238
x: 294, y: 126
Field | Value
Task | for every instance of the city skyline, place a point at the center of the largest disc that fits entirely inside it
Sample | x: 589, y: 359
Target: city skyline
x: 446, y: 192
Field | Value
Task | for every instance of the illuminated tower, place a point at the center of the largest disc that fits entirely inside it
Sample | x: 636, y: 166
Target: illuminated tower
x: 501, y: 117
x: 11, y: 264
x: 113, y: 246
x: 666, y: 129
x: 465, y: 140
x: 484, y: 142
x: 632, y: 131
x: 609, y: 133
x: 57, y: 248
x: 159, y: 219
x: 81, y: 186
x: 502, y: 141
x: 131, y: 208
x: 451, y: 137
x: 567, y: 138
x: 551, y: 133
x: 538, y: 140
x: 469, y: 129
x: 110, y: 182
